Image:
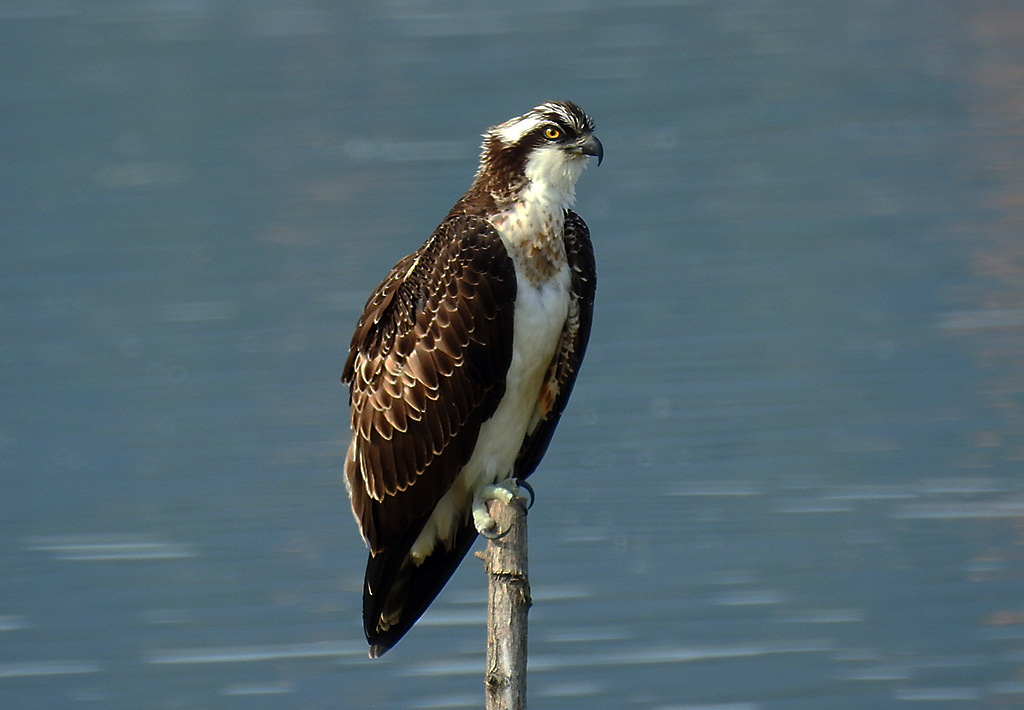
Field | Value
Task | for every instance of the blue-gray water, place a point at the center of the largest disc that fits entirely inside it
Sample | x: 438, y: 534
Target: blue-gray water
x: 790, y: 475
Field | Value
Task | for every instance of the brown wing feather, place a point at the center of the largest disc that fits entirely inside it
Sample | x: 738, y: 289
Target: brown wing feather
x: 573, y: 346
x: 426, y: 367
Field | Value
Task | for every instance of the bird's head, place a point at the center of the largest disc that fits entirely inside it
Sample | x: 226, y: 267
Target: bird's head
x: 546, y: 148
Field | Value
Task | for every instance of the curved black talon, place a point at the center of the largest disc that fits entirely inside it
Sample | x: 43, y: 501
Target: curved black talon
x: 533, y: 496
x: 497, y: 535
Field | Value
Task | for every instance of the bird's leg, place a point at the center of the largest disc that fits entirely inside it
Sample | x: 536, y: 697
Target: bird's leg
x: 511, y: 489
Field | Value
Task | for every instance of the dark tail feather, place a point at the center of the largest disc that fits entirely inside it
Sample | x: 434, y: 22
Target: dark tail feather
x: 396, y: 592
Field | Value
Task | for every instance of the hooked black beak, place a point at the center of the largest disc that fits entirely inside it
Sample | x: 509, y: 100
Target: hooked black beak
x: 592, y: 146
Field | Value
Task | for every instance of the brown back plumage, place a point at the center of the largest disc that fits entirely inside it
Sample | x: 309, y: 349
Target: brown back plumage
x: 426, y: 368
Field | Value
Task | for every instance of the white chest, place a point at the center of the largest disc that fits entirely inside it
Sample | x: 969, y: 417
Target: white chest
x: 542, y: 305
x: 543, y: 283
x: 531, y: 231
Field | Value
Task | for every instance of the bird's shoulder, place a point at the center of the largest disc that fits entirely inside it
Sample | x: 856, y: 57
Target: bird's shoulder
x: 463, y: 265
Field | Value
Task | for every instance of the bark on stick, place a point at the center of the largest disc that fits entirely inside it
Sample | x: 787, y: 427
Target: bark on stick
x: 507, y: 607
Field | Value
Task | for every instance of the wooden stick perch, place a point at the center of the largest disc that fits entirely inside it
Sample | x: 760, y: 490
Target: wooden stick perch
x: 507, y: 605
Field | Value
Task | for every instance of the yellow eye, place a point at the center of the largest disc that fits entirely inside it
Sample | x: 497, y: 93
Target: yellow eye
x: 552, y: 133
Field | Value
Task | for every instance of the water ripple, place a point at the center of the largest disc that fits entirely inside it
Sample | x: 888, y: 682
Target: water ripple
x: 35, y: 669
x: 931, y: 695
x: 92, y: 549
x: 13, y: 623
x: 258, y: 689
x: 635, y: 657
x: 961, y: 511
x: 250, y: 654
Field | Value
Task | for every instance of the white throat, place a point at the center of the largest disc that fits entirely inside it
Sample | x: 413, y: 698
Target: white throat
x: 551, y: 174
x: 538, y: 211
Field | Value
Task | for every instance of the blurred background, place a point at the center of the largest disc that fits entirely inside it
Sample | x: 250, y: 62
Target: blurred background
x: 790, y: 474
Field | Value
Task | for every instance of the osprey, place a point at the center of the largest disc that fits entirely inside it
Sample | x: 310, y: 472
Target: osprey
x: 463, y: 361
